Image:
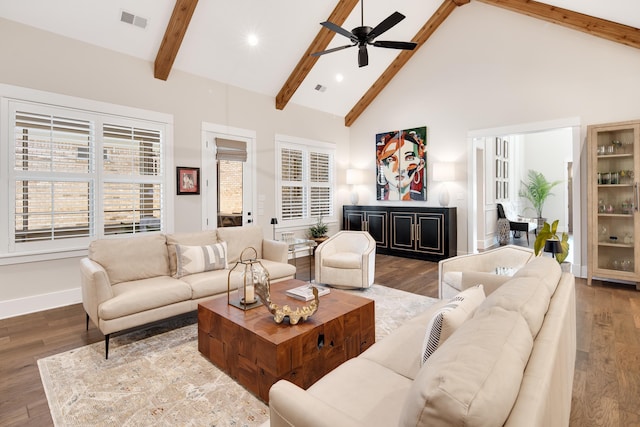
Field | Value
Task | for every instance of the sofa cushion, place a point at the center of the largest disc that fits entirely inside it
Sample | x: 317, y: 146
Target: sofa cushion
x: 491, y: 281
x: 343, y: 260
x: 132, y: 258
x: 210, y: 283
x: 545, y: 269
x: 408, y: 338
x: 367, y: 391
x: 196, y: 259
x: 474, y: 377
x: 278, y: 270
x: 449, y: 318
x: 526, y: 295
x: 198, y: 238
x: 141, y: 295
x: 240, y: 238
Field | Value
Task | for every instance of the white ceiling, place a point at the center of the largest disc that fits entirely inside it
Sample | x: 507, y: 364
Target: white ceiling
x: 215, y: 44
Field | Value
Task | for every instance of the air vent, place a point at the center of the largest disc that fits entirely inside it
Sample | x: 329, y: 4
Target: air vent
x: 132, y: 19
x: 320, y: 88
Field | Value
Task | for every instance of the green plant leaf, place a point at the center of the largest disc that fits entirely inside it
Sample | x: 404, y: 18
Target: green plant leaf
x: 536, y: 190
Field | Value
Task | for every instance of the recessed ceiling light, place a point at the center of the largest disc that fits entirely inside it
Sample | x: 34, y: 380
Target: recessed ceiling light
x: 339, y: 77
x: 252, y: 39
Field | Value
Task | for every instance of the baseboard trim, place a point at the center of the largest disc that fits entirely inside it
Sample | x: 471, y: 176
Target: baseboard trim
x: 20, y: 306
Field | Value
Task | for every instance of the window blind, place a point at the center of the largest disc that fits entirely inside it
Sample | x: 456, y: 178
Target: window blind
x: 52, y: 182
x: 70, y: 180
x: 305, y: 182
x: 229, y: 149
x: 132, y: 201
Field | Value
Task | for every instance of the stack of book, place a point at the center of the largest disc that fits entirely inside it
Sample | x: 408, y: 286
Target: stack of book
x: 304, y: 293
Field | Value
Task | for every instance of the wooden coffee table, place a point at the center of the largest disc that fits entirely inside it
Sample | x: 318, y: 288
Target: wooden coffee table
x: 255, y: 351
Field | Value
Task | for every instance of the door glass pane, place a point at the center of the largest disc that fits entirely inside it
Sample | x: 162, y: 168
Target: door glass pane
x: 229, y: 193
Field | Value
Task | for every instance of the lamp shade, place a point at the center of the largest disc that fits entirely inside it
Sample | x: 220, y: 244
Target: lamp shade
x: 274, y: 221
x: 443, y: 171
x: 354, y: 176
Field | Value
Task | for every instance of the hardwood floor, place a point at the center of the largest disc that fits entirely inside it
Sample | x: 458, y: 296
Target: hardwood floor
x: 607, y: 377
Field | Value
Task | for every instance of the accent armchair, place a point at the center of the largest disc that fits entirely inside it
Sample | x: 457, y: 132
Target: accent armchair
x: 346, y: 260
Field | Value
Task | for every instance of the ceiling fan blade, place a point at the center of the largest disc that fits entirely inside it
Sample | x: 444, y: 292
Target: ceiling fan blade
x: 338, y: 29
x: 385, y: 25
x: 395, y: 45
x: 363, y: 56
x: 335, y: 49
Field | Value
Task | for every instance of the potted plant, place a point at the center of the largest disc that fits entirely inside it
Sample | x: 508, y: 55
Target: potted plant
x: 550, y: 232
x: 318, y: 231
x: 536, y: 190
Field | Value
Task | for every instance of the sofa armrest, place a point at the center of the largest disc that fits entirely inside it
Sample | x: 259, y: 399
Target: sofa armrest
x: 96, y: 287
x: 290, y: 405
x: 274, y: 250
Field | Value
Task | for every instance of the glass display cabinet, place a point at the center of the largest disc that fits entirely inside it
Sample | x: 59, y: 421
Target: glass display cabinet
x: 613, y: 198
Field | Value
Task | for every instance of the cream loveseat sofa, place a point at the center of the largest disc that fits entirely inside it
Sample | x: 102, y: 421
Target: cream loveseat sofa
x: 509, y: 362
x: 132, y: 281
x: 491, y: 268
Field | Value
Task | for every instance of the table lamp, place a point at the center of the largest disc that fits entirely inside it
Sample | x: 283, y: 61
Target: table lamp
x: 354, y: 177
x: 443, y: 172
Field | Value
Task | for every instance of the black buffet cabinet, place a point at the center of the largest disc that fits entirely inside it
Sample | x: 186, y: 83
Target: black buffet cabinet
x: 414, y: 232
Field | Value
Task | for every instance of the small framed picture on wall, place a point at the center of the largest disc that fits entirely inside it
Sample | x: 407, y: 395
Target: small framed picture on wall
x: 188, y: 180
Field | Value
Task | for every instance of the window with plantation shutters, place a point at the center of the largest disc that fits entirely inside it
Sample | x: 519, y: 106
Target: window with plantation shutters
x: 305, y: 181
x: 53, y: 176
x: 320, y: 184
x: 75, y: 175
x: 132, y: 179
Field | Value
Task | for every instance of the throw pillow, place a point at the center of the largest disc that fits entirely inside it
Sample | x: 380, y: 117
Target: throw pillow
x: 196, y: 259
x: 449, y: 317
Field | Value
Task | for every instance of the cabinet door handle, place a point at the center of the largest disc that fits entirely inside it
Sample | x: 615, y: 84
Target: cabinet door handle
x: 636, y: 196
x: 417, y: 232
x: 412, y: 233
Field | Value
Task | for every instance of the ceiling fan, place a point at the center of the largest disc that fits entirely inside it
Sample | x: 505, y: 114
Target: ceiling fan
x: 364, y: 35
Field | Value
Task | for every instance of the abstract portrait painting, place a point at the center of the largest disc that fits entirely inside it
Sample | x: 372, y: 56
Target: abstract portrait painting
x: 401, y: 164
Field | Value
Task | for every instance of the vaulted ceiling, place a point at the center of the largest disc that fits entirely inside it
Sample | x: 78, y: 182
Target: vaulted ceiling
x: 207, y: 38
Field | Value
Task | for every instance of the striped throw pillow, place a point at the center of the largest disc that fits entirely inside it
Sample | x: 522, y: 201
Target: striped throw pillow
x: 196, y: 259
x: 449, y: 317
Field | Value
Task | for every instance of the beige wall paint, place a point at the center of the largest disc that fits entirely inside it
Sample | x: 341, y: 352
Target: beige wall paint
x: 40, y: 60
x: 485, y: 68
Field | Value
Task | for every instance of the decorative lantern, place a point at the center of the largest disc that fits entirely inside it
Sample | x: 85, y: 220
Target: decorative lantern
x: 253, y: 273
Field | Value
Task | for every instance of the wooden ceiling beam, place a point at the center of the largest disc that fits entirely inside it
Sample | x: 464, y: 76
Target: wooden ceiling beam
x: 420, y: 38
x: 173, y: 35
x: 340, y: 13
x: 609, y: 30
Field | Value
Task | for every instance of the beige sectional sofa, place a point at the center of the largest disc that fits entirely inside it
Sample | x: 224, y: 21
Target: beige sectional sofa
x: 458, y: 273
x: 509, y: 362
x: 128, y: 282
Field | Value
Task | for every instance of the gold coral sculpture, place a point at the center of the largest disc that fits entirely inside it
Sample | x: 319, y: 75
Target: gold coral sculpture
x: 280, y: 313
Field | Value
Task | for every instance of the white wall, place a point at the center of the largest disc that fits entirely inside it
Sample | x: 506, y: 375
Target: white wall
x: 486, y: 67
x: 40, y: 60
x: 548, y: 153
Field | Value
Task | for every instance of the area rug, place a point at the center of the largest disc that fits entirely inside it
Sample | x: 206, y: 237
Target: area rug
x: 156, y: 376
